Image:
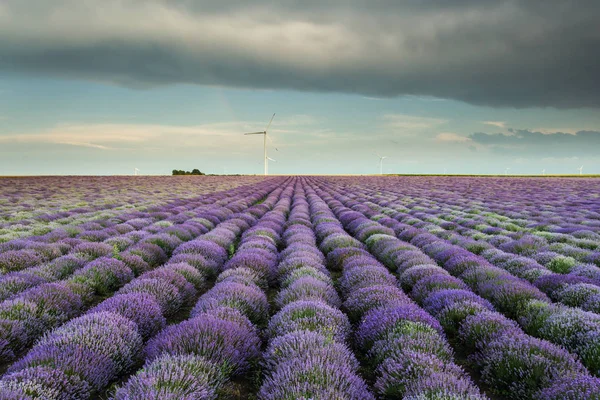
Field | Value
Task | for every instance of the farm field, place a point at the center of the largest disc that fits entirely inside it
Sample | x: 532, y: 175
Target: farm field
x: 311, y: 287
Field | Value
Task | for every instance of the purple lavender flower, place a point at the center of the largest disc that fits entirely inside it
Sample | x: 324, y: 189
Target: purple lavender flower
x: 207, y: 266
x: 299, y: 344
x: 16, y: 282
x: 62, y: 267
x: 314, y: 316
x: 187, y: 292
x: 443, y: 385
x: 249, y: 300
x: 56, y: 302
x: 103, y: 332
x: 140, y: 308
x: 16, y: 260
x: 228, y: 344
x: 363, y: 300
x: 574, y: 388
x: 93, y: 367
x: 20, y: 323
x: 168, y: 243
x: 92, y: 251
x: 576, y: 295
x: 337, y: 256
x: 104, y: 275
x: 119, y: 242
x: 301, y: 272
x: 45, y: 383
x: 308, y: 288
x: 174, y: 377
x: 379, y: 322
x: 136, y: 263
x: 438, y: 301
x: 254, y: 259
x: 151, y: 253
x: 308, y: 378
x: 413, y: 337
x: 359, y: 277
x: 519, y: 366
x: 415, y: 273
x: 478, y: 330
x: 396, y: 375
x: 166, y: 294
x: 294, y: 262
x: 191, y: 274
x: 245, y: 276
x: 431, y: 284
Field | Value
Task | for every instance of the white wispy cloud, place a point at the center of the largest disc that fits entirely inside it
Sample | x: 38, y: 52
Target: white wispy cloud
x: 411, y: 122
x: 451, y: 137
x: 499, y: 124
x: 549, y: 131
x: 115, y: 136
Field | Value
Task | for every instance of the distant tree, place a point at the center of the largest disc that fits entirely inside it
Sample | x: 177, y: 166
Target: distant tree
x: 195, y: 171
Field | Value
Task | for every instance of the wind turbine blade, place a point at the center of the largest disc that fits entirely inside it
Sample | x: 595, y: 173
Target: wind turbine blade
x: 268, y: 126
x: 271, y: 141
x: 269, y: 158
x: 255, y: 133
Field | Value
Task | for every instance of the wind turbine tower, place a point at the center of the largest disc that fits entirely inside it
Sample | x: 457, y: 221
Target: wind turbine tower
x: 381, y: 158
x: 266, y: 158
x: 580, y: 170
x: 136, y: 171
x: 544, y: 171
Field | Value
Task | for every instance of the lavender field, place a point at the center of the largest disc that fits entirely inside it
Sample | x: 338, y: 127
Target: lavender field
x: 282, y: 287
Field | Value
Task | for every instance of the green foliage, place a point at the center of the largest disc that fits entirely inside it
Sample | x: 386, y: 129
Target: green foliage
x: 195, y: 171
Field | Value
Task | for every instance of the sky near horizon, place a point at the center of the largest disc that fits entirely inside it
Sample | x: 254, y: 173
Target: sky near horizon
x: 456, y: 86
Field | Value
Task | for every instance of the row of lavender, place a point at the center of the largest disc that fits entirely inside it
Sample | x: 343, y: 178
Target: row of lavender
x: 537, y: 360
x: 37, y: 205
x: 42, y: 297
x: 576, y: 330
x: 350, y: 330
x: 308, y: 355
x: 83, y: 356
x: 530, y: 251
x: 403, y: 346
x: 196, y: 358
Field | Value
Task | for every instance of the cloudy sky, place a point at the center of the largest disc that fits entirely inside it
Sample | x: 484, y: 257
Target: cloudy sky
x: 462, y: 86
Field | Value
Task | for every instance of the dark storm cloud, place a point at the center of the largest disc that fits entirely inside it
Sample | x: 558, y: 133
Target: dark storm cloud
x: 525, y: 142
x: 504, y: 53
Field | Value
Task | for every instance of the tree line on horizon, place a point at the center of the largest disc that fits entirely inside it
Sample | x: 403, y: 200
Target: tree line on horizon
x: 195, y: 171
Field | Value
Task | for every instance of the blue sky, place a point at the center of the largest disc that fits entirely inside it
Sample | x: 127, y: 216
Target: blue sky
x: 61, y: 113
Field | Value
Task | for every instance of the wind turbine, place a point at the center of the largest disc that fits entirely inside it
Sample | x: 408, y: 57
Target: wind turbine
x: 135, y: 171
x: 264, y: 143
x: 580, y: 170
x: 506, y: 170
x: 381, y: 158
x: 544, y: 171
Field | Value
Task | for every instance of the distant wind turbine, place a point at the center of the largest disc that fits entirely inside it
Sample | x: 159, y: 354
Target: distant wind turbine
x: 135, y: 171
x: 506, y: 170
x: 266, y: 158
x: 544, y: 171
x: 580, y: 170
x: 381, y: 158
